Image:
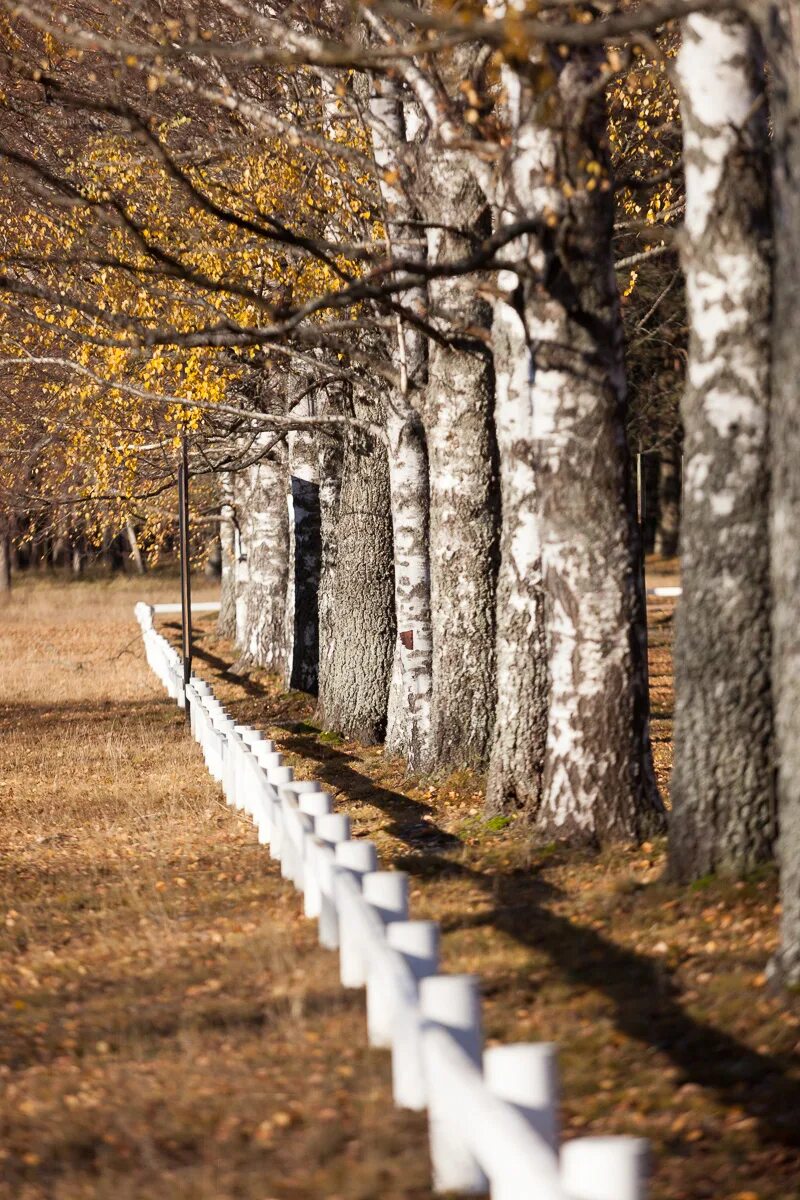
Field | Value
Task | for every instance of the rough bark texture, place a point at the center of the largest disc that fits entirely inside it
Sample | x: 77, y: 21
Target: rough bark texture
x: 226, y: 622
x: 409, y: 715
x: 598, y: 782
x: 722, y: 789
x: 514, y: 782
x: 669, y: 498
x: 408, y: 726
x: 263, y: 560
x: 355, y: 664
x: 782, y: 31
x: 5, y: 560
x: 464, y: 491
x: 305, y: 549
x: 331, y: 456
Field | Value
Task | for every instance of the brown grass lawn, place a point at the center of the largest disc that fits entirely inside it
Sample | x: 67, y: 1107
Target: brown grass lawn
x: 171, y: 1028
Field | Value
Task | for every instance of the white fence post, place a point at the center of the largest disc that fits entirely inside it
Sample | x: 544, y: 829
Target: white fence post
x: 452, y: 1002
x: 417, y: 942
x: 331, y: 828
x: 525, y: 1076
x: 387, y: 893
x: 605, y: 1168
x: 359, y: 858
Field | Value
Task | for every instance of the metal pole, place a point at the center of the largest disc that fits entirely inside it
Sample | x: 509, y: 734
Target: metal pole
x: 186, y: 586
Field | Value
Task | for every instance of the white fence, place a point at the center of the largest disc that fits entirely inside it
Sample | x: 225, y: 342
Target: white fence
x: 492, y: 1115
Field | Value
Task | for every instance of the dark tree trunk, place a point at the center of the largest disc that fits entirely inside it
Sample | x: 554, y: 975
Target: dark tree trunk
x: 5, y: 559
x: 669, y: 498
x: 782, y: 33
x: 356, y: 659
x: 305, y: 550
x: 723, y: 804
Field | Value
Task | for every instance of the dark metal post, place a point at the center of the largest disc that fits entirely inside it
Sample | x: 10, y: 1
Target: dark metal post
x: 186, y: 586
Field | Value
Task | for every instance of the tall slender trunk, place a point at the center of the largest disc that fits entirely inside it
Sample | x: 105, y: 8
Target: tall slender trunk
x: 331, y: 459
x: 302, y: 611
x: 723, y: 806
x: 260, y: 493
x: 409, y: 713
x: 5, y: 558
x: 226, y: 622
x: 133, y: 545
x: 356, y: 663
x: 782, y: 35
x: 514, y: 782
x: 464, y: 494
x: 408, y: 726
x: 598, y: 781
x: 668, y: 524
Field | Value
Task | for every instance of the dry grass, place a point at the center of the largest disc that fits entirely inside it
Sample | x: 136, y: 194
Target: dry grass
x: 173, y: 1030
x: 170, y: 1027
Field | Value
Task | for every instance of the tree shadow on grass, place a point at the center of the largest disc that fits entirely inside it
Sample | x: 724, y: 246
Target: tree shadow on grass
x: 646, y: 1004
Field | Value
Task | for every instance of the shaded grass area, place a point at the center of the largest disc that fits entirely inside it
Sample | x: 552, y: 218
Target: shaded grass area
x: 170, y: 1027
x: 655, y: 994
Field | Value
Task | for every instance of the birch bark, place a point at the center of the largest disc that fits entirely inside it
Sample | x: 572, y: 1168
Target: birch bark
x: 263, y: 559
x: 464, y: 494
x: 722, y: 790
x: 408, y: 730
x: 598, y: 783
x: 226, y: 622
x: 781, y: 30
x: 356, y: 663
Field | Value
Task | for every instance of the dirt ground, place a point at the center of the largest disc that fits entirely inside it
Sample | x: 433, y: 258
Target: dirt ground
x: 172, y: 1029
x: 169, y: 1027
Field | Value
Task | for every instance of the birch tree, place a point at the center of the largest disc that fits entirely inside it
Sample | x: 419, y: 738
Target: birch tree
x: 722, y: 790
x: 598, y: 783
x: 781, y: 30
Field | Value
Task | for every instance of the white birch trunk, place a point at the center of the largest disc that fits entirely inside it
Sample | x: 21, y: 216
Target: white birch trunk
x: 598, y: 783
x: 408, y: 727
x: 782, y: 35
x: 464, y: 496
x: 262, y: 564
x: 226, y: 622
x: 723, y: 804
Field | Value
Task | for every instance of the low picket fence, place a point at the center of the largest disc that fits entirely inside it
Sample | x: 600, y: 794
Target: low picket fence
x: 492, y: 1114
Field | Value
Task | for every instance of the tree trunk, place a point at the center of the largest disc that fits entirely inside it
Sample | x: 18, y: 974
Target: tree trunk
x: 782, y: 33
x: 133, y: 544
x: 331, y: 457
x: 669, y: 498
x: 598, y: 782
x: 355, y: 663
x: 408, y: 726
x: 305, y: 549
x: 226, y: 622
x: 409, y: 718
x: 723, y: 807
x: 464, y: 496
x: 262, y: 567
x: 5, y: 559
x: 514, y: 782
